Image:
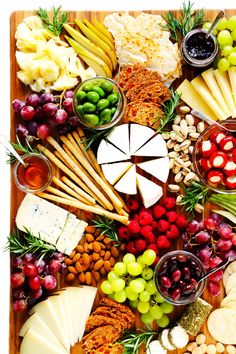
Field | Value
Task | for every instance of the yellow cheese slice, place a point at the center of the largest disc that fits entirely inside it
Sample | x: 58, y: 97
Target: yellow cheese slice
x: 216, y: 92
x: 224, y: 83
x: 200, y: 86
x: 190, y: 96
x: 232, y: 78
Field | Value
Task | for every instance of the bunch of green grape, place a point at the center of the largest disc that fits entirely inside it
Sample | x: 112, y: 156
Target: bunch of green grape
x: 132, y: 279
x: 226, y: 36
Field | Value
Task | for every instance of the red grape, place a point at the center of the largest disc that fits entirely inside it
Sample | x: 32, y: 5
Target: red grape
x: 17, y: 279
x: 63, y: 129
x: 59, y: 256
x: 18, y: 293
x: 213, y: 288
x: 22, y: 130
x: 202, y: 237
x: 69, y: 94
x: 49, y: 109
x: 32, y: 100
x: 217, y: 276
x: 28, y: 257
x: 40, y: 264
x: 38, y: 113
x: 193, y: 227
x: 224, y: 245
x: 230, y: 254
x: 210, y: 224
x: 45, y: 98
x: 36, y: 294
x: 43, y: 131
x: 54, y: 266
x: 60, y: 116
x: 16, y: 261
x: 34, y: 282
x: 32, y: 128
x: 49, y: 282
x: 20, y: 305
x: 68, y: 105
x: 224, y: 231
x: 30, y: 270
x: 17, y: 105
x: 217, y: 217
x: 215, y: 261
x: 27, y: 112
x: 74, y: 121
x: 205, y: 255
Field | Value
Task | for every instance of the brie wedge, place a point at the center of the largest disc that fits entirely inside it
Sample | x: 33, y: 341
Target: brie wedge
x: 114, y: 171
x: 158, y: 168
x: 154, y: 147
x: 150, y: 191
x: 127, y: 184
x: 119, y: 137
x: 139, y: 134
x: 108, y: 153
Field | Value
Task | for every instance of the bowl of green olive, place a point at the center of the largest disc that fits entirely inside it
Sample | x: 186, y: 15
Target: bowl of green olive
x: 99, y: 103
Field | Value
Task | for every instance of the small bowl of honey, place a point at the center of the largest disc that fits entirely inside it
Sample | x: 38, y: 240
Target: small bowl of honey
x: 35, y: 175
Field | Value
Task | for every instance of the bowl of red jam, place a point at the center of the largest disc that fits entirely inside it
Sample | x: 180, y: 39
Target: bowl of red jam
x: 177, y: 277
x: 35, y: 175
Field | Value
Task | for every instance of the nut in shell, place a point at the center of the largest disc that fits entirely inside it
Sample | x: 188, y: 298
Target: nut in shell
x: 184, y: 109
x: 189, y: 119
x: 200, y: 127
x: 170, y: 144
x: 173, y: 135
x: 190, y: 149
x: 173, y: 154
x: 178, y: 199
x: 201, y: 338
x: 185, y: 144
x: 176, y: 128
x: 178, y: 177
x: 174, y: 188
x: 179, y: 162
x: 184, y: 157
x: 192, y: 129
x: 176, y: 169
x: 180, y: 137
x: 194, y: 136
x: 166, y: 136
x: 190, y: 176
x: 171, y: 163
x: 199, y: 208
x: 176, y: 147
x: 211, y: 349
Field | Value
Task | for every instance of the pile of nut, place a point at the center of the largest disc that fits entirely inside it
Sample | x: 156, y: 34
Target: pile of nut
x: 93, y: 257
x: 180, y: 144
x: 200, y: 347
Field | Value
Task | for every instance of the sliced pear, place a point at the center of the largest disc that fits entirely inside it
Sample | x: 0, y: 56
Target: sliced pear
x: 85, y: 42
x: 98, y: 33
x: 97, y: 40
x: 102, y: 28
x: 97, y: 64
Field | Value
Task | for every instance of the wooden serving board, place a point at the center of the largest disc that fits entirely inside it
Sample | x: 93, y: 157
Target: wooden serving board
x: 18, y: 90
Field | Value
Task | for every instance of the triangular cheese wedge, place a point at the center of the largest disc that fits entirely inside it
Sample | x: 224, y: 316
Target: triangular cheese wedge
x: 127, y: 184
x: 158, y: 168
x: 155, y: 147
x: 224, y: 83
x: 108, y: 153
x: 119, y: 136
x: 114, y: 171
x: 150, y: 191
x: 139, y: 134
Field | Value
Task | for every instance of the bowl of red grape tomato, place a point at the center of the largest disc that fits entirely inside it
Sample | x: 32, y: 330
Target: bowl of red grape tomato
x: 176, y: 276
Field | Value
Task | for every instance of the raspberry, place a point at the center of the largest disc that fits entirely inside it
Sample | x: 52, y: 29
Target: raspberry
x: 145, y: 218
x: 146, y: 210
x: 130, y: 248
x: 181, y: 222
x: 154, y: 224
x: 150, y: 238
x: 132, y: 204
x: 124, y: 233
x: 168, y: 203
x: 163, y: 242
x: 163, y: 225
x: 146, y: 230
x: 140, y: 245
x: 171, y: 216
x: 152, y: 246
x: 173, y: 232
x: 134, y: 227
x: 159, y: 211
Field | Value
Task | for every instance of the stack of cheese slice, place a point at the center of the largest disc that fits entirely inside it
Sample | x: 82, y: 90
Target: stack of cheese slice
x: 115, y: 153
x: 58, y: 322
x: 50, y: 222
x: 212, y: 93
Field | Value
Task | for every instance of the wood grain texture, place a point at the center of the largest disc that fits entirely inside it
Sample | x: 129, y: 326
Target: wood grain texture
x: 18, y: 90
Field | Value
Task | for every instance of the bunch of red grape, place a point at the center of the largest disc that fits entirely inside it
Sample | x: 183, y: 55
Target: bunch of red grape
x: 212, y: 240
x: 41, y: 113
x: 32, y: 277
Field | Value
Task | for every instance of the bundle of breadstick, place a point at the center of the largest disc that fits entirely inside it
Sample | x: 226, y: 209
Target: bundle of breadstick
x: 83, y: 186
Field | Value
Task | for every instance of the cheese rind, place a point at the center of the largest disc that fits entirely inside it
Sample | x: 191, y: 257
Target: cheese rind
x: 108, y: 153
x: 127, y: 184
x: 139, y: 134
x: 119, y: 136
x: 158, y: 168
x: 155, y: 147
x: 113, y: 172
x: 150, y: 191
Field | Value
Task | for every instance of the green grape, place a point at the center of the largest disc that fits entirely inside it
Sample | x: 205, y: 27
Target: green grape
x: 151, y: 287
x: 117, y: 284
x: 112, y: 275
x: 163, y: 321
x: 149, y: 257
x: 222, y: 25
x: 206, y: 26
x: 166, y: 307
x: 130, y: 294
x: 129, y: 257
x: 223, y: 64
x: 156, y: 312
x: 137, y: 286
x: 134, y: 268
x: 227, y: 50
x: 146, y: 318
x: 143, y: 307
x: 143, y: 281
x: 158, y: 298
x: 144, y: 296
x: 106, y: 287
x: 232, y: 58
x: 224, y: 38
x: 133, y: 304
x: 120, y: 296
x: 147, y: 273
x: 232, y: 23
x: 120, y: 268
x: 233, y: 34
x: 141, y: 261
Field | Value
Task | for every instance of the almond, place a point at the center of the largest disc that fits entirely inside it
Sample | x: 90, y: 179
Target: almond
x: 91, y: 265
x: 122, y: 247
x: 80, y: 249
x: 114, y: 251
x: 112, y: 261
x: 107, y: 240
x: 81, y: 278
x: 102, y: 271
x: 107, y: 255
x: 95, y: 256
x: 76, y: 257
x: 78, y: 266
x: 86, y: 247
x: 72, y: 270
x: 72, y: 254
x: 107, y: 266
x: 102, y: 253
x: 96, y: 247
x: 85, y: 266
x: 90, y: 246
x: 70, y: 277
x: 89, y: 238
x: 68, y: 261
x: 96, y: 276
x: 100, y: 238
x: 97, y: 233
x: 93, y: 283
x: 90, y: 229
x: 85, y: 259
x: 88, y: 278
x: 98, y: 264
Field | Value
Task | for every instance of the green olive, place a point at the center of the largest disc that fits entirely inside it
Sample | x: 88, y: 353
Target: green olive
x: 107, y: 86
x: 89, y: 107
x: 80, y: 95
x: 80, y: 110
x: 92, y: 119
x: 113, y: 111
x: 87, y: 87
x: 93, y: 96
x: 113, y: 98
x: 99, y: 90
x: 103, y: 103
x: 105, y: 116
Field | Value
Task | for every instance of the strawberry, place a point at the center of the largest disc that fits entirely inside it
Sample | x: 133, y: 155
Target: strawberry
x: 162, y: 225
x: 168, y: 203
x: 140, y: 245
x: 124, y: 233
x: 152, y: 246
x: 171, y: 216
x: 173, y: 232
x: 158, y: 211
x: 132, y: 204
x: 163, y: 242
x: 130, y: 248
x: 181, y: 222
x: 145, y: 218
x: 134, y: 227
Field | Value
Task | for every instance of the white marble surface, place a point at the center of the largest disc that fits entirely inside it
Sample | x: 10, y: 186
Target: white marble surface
x: 6, y: 7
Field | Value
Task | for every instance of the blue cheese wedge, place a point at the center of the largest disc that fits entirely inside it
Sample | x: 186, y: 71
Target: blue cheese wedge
x: 75, y: 237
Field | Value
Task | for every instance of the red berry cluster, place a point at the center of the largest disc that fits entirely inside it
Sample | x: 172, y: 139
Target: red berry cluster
x: 152, y: 228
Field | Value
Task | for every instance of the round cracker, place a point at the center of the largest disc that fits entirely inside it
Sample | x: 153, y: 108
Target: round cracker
x: 228, y: 271
x: 231, y: 283
x: 221, y: 325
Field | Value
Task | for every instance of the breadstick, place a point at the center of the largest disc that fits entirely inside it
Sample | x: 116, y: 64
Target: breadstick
x: 79, y: 173
x: 93, y: 209
x: 60, y: 157
x: 80, y: 143
x: 59, y: 193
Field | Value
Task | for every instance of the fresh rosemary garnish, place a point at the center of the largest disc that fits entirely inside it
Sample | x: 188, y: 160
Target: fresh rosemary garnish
x: 18, y: 146
x: 132, y: 341
x: 169, y: 110
x: 187, y: 21
x: 94, y: 136
x: 54, y: 23
x: 20, y: 244
x: 107, y: 227
x: 197, y: 193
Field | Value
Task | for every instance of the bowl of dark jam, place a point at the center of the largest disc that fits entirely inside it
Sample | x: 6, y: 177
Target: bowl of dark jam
x: 197, y: 50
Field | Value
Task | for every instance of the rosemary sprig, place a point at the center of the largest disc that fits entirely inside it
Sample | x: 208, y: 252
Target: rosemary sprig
x: 18, y: 146
x: 19, y: 245
x: 132, y: 341
x: 107, y: 227
x: 54, y: 23
x: 197, y: 193
x: 94, y: 136
x: 169, y: 110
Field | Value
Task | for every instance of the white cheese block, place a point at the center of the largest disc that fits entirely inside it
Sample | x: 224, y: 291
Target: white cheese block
x: 158, y: 168
x: 155, y: 147
x: 232, y: 78
x: 114, y: 171
x: 150, y: 191
x: 139, y: 134
x: 65, y: 301
x: 34, y: 343
x: 127, y: 184
x: 108, y: 153
x: 224, y: 83
x: 119, y: 136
